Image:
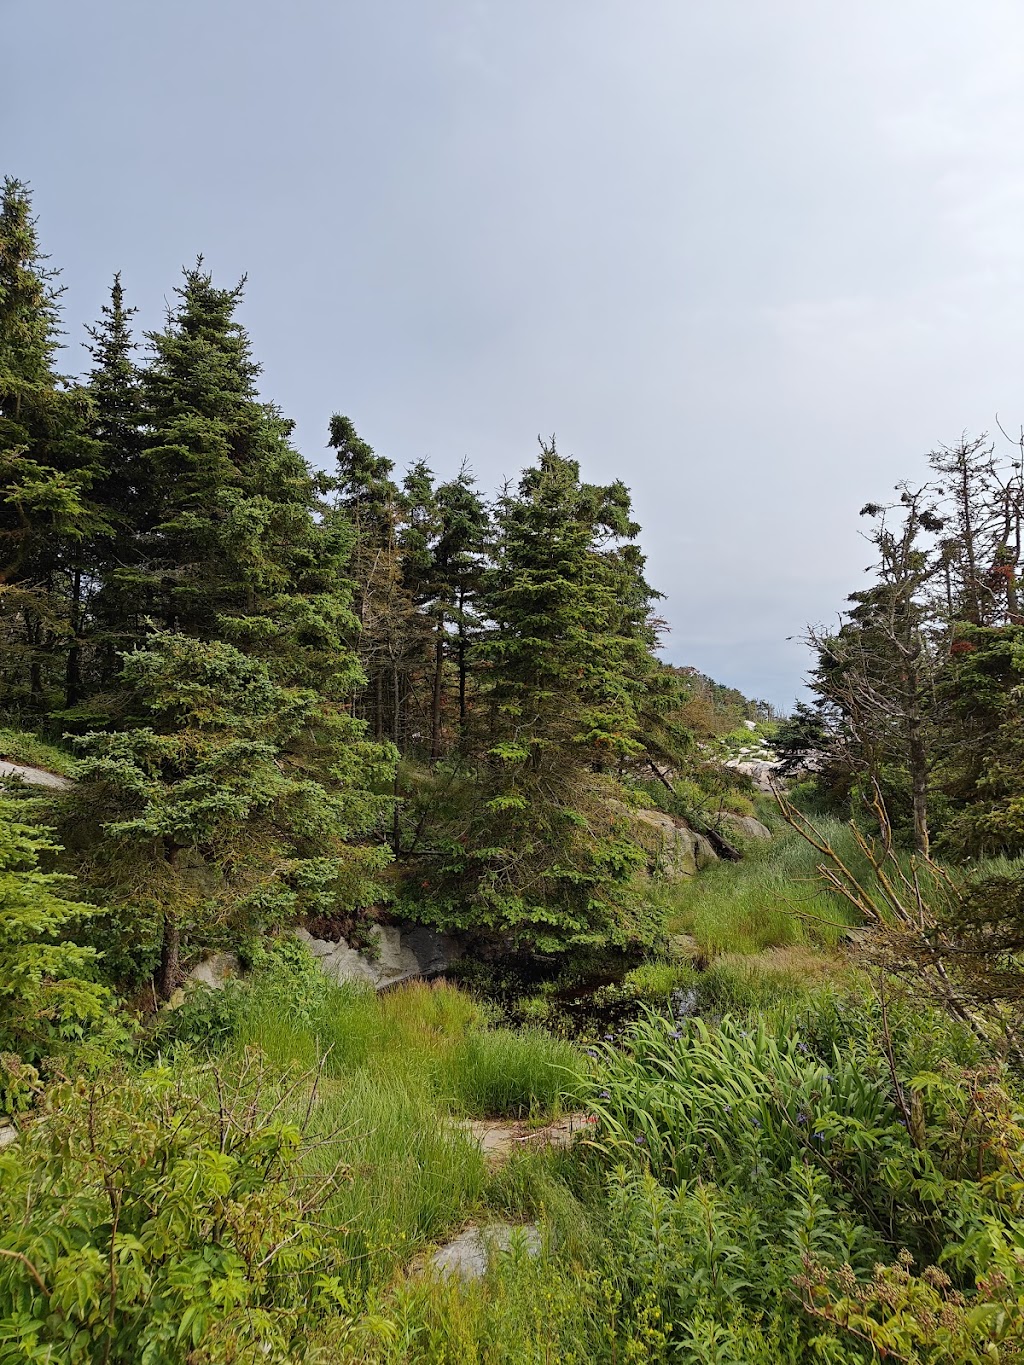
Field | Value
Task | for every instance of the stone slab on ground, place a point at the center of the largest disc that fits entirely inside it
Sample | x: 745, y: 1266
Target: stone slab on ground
x: 467, y: 1256
x: 8, y: 1134
x: 499, y: 1138
x: 38, y: 777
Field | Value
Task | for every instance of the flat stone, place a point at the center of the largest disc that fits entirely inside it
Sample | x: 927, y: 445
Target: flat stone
x: 468, y: 1255
x: 499, y: 1138
x: 38, y: 777
x: 8, y: 1134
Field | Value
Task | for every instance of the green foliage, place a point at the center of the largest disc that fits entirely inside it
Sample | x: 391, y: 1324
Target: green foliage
x: 517, y: 1073
x: 48, y: 992
x: 24, y: 746
x: 162, y: 1216
x: 824, y: 1140
x: 774, y: 898
x: 237, y: 806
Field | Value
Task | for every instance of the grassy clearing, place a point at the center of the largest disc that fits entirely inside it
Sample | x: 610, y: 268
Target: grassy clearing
x: 774, y: 898
x: 396, y: 1069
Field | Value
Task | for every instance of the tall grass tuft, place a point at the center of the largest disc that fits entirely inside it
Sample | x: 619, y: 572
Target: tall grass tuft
x: 515, y: 1073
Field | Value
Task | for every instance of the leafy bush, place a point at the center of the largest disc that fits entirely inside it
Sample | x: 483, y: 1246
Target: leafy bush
x: 828, y: 1144
x: 161, y: 1217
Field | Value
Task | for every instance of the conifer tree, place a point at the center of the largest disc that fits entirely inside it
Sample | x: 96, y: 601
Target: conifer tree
x: 46, y: 465
x: 234, y: 501
x: 48, y: 989
x: 460, y: 557
x: 121, y: 490
x: 226, y: 802
x: 564, y: 658
x: 368, y: 497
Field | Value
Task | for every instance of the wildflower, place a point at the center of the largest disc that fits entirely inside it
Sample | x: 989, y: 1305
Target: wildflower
x: 802, y: 1047
x: 675, y: 1033
x: 801, y: 1117
x: 728, y: 1108
x: 590, y: 1052
x: 609, y: 1037
x: 606, y: 1094
x: 640, y: 1141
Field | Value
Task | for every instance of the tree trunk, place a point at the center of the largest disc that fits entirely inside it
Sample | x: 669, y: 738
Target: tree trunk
x: 72, y: 674
x: 436, y: 707
x: 396, y: 828
x: 462, y: 662
x: 917, y: 761
x: 170, y: 947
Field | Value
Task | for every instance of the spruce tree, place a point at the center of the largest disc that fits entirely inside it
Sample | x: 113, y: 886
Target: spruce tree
x: 226, y: 803
x: 234, y: 502
x: 48, y: 990
x: 116, y: 612
x: 367, y: 496
x: 460, y: 558
x: 542, y: 860
x: 46, y: 469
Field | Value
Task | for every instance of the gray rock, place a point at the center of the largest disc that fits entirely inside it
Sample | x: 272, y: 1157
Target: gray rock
x: 762, y: 772
x: 746, y: 826
x: 467, y: 1256
x: 8, y: 1134
x: 214, y: 971
x: 398, y: 953
x: 38, y: 777
x: 675, y: 849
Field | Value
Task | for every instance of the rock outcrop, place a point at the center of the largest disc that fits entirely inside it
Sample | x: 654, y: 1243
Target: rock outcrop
x: 746, y: 826
x: 763, y: 773
x: 674, y: 849
x: 397, y: 953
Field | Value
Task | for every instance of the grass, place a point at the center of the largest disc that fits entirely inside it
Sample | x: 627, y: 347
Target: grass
x: 774, y: 898
x: 516, y: 1073
x: 397, y: 1069
x: 22, y: 746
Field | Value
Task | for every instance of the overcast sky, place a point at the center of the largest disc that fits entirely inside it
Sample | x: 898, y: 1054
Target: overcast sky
x: 754, y: 258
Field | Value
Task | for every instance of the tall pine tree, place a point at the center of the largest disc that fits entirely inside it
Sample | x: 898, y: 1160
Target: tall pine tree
x: 47, y: 466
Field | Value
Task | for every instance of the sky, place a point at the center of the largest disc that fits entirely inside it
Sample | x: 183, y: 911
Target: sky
x: 756, y: 259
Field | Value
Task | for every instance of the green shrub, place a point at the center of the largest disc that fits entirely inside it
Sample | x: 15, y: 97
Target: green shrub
x: 161, y: 1216
x: 49, y: 996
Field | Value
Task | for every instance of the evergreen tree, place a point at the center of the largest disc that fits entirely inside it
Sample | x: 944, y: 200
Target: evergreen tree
x: 46, y: 466
x: 234, y: 502
x: 48, y: 990
x: 114, y: 615
x: 367, y: 495
x: 542, y: 860
x: 460, y: 558
x: 226, y: 802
